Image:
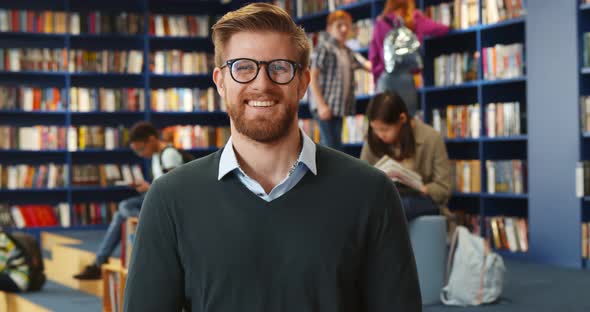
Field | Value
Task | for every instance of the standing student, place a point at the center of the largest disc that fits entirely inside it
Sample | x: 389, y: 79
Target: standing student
x: 402, y: 82
x: 416, y: 145
x: 144, y: 141
x: 332, y: 79
x: 272, y: 222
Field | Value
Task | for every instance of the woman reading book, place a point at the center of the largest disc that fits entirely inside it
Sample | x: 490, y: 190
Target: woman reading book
x: 410, y: 152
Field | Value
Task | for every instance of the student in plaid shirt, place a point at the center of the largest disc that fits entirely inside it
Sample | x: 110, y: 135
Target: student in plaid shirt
x: 332, y: 79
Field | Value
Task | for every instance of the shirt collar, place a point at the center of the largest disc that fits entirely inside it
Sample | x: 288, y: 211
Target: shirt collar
x: 228, y: 161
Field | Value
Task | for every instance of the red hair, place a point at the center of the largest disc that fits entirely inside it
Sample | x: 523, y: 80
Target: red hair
x: 404, y: 8
x: 338, y: 14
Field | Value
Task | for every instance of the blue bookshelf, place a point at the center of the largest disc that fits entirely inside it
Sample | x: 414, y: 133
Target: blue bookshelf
x: 145, y: 80
x: 482, y: 92
x: 583, y: 86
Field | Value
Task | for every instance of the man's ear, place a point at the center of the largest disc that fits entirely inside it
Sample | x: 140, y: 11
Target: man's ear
x: 218, y: 79
x: 304, y: 79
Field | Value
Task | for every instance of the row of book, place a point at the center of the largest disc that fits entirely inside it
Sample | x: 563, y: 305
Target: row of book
x: 457, y: 121
x: 190, y: 137
x: 33, y: 59
x: 585, y: 113
x: 45, y: 176
x: 361, y: 34
x: 97, y: 137
x: 28, y: 216
x: 186, y: 100
x: 106, y: 174
x: 311, y: 128
x: 33, y: 138
x: 102, y: 22
x: 506, y: 176
x: 586, y: 49
x: 502, y: 232
x: 586, y: 240
x: 583, y: 178
x: 106, y: 61
x: 458, y: 14
x: 364, y: 84
x: 503, y: 61
x: 179, y: 25
x: 455, y: 68
x: 463, y: 121
x: 106, y: 100
x: 181, y: 62
x: 494, y: 11
x: 32, y: 99
x: 354, y: 129
x: 466, y: 175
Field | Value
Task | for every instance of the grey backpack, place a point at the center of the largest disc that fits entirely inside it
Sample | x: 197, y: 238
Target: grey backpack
x: 401, y: 48
x: 475, y: 275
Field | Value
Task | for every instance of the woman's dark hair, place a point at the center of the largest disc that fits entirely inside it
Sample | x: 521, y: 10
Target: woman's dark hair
x: 388, y: 107
x: 142, y: 131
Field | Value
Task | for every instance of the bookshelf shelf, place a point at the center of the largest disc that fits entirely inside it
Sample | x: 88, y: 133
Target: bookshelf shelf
x: 462, y: 140
x: 21, y: 74
x: 102, y: 151
x: 586, y: 199
x: 105, y: 75
x: 585, y: 7
x: 505, y: 196
x: 193, y: 113
x: 455, y: 32
x: 309, y: 17
x: 32, y: 35
x: 35, y: 190
x: 503, y: 81
x: 585, y: 70
x: 101, y: 188
x: 108, y: 114
x: 18, y: 151
x: 353, y: 145
x: 467, y: 85
x: 18, y: 113
x: 466, y: 195
x: 61, y: 228
x: 505, y: 23
x: 514, y: 138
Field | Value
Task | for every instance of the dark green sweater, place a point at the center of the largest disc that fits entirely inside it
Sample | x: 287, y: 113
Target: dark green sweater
x: 336, y: 242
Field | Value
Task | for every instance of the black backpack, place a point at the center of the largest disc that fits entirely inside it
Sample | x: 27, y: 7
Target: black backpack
x: 186, y: 157
x: 32, y: 252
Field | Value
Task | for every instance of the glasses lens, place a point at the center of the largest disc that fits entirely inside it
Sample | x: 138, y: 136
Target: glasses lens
x: 244, y: 70
x: 281, y: 71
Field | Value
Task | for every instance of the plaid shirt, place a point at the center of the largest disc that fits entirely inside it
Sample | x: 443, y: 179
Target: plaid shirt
x: 325, y: 59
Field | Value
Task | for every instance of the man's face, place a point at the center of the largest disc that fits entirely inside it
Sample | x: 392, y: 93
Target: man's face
x: 261, y: 109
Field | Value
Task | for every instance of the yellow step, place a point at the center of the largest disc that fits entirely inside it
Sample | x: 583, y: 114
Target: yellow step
x: 14, y: 303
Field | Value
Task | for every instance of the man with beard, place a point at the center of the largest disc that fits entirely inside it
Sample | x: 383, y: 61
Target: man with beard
x: 272, y: 222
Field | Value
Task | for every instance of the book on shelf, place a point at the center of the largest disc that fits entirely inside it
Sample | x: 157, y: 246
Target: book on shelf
x: 22, y: 176
x: 29, y: 21
x: 106, y: 100
x: 179, y: 25
x: 455, y: 68
x: 33, y: 59
x: 494, y: 11
x: 503, y: 61
x: 457, y: 121
x: 508, y: 233
x: 97, y: 137
x: 399, y: 173
x: 466, y: 175
x: 181, y: 62
x: 186, y: 100
x: 506, y: 176
x: 88, y: 213
x: 361, y: 34
x: 585, y: 113
x: 100, y: 23
x: 105, y: 175
x: 196, y: 136
x: 586, y: 240
x: 354, y: 129
x: 105, y: 61
x: 458, y: 14
x: 503, y: 119
x: 27, y: 216
x: 32, y: 99
x: 34, y: 138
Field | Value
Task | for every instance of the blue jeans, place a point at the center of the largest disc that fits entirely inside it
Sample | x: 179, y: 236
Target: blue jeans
x: 331, y: 132
x: 415, y: 206
x: 128, y: 208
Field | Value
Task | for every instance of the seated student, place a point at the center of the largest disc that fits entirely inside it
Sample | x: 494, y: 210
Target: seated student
x: 144, y: 141
x: 417, y: 146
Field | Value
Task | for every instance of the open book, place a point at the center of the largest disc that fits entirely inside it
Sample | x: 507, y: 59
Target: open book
x: 401, y: 174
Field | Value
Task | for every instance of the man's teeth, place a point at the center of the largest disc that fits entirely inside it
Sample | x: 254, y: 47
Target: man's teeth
x: 261, y: 103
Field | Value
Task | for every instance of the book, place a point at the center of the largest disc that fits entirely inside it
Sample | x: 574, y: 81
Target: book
x: 400, y: 173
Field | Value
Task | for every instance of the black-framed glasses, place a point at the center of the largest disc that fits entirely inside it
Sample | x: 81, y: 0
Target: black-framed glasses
x: 244, y: 70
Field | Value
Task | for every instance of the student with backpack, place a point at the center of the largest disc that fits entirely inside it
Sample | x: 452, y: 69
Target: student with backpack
x: 21, y: 264
x: 399, y: 14
x: 145, y: 142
